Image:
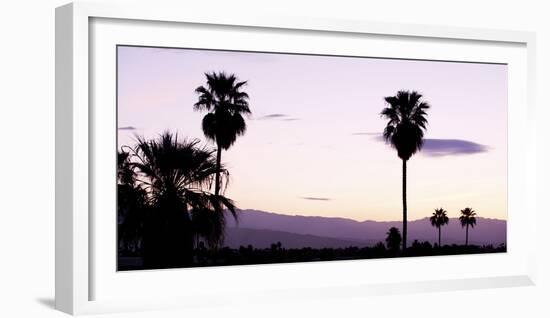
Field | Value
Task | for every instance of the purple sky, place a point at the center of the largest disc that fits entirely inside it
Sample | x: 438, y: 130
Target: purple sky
x: 313, y: 144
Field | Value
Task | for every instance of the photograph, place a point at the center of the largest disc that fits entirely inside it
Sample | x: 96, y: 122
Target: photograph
x: 247, y: 158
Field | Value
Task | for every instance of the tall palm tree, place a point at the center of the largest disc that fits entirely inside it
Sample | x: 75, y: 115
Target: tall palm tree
x: 177, y: 176
x: 226, y: 104
x: 393, y: 239
x: 406, y: 115
x: 467, y: 218
x: 438, y: 219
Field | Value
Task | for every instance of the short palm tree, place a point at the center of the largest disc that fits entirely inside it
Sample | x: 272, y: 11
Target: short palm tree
x: 131, y: 206
x: 467, y: 219
x: 393, y: 239
x: 125, y: 172
x: 406, y: 115
x: 177, y: 176
x: 208, y: 225
x: 438, y: 219
x: 226, y: 104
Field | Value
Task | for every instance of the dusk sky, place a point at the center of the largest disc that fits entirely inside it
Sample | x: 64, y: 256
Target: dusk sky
x: 313, y: 144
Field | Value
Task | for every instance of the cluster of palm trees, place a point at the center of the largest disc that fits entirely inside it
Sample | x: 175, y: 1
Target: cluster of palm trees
x: 165, y: 205
x: 404, y: 131
x: 439, y: 218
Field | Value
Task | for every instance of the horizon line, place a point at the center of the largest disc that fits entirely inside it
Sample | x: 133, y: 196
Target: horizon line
x: 360, y: 221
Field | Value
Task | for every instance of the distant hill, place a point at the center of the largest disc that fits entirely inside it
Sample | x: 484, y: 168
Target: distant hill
x: 315, y: 231
x: 236, y: 236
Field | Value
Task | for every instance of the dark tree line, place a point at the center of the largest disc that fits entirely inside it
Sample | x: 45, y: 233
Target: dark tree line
x: 277, y: 253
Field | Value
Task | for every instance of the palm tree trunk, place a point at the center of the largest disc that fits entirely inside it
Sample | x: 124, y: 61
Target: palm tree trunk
x: 218, y: 165
x: 467, y: 226
x: 439, y: 239
x: 404, y: 205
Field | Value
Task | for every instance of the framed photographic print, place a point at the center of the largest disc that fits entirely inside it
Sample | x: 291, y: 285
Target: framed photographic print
x: 266, y: 156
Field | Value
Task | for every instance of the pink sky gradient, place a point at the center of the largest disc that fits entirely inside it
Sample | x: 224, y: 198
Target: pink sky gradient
x: 323, y: 142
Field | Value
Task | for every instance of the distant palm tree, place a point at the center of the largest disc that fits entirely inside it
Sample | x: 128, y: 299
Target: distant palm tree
x: 177, y: 175
x: 438, y: 219
x: 467, y: 218
x: 393, y: 239
x: 226, y: 104
x: 405, y: 132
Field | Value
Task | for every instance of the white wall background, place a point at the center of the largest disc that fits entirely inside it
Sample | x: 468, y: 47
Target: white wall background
x: 27, y: 159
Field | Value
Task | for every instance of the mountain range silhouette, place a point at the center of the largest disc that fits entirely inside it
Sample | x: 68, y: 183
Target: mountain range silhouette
x: 260, y: 229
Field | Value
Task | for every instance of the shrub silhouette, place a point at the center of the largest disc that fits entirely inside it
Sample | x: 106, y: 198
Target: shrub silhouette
x: 393, y: 240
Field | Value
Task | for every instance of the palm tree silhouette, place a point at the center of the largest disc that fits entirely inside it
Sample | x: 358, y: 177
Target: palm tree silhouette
x: 177, y: 175
x: 125, y: 173
x: 405, y: 132
x: 438, y: 219
x: 393, y: 239
x: 209, y: 225
x: 226, y: 104
x: 131, y: 206
x: 467, y: 218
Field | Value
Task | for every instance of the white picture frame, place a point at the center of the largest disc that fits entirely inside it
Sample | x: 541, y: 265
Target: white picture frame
x: 78, y: 145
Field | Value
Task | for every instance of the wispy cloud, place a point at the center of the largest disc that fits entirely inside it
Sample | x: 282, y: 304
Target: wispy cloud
x: 450, y: 147
x: 273, y: 116
x: 127, y: 128
x: 316, y: 198
x: 434, y: 147
x: 284, y: 117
